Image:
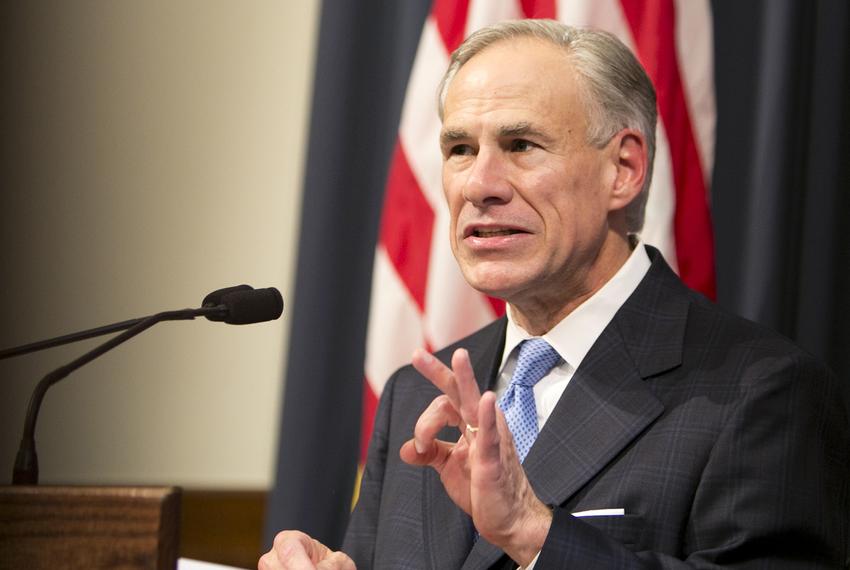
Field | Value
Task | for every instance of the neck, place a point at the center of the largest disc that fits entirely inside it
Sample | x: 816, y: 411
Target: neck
x: 538, y: 314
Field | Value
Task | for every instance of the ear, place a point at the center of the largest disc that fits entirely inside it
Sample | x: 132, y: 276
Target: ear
x: 629, y: 154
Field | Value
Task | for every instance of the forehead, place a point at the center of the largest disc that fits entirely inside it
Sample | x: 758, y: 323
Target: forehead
x: 523, y: 79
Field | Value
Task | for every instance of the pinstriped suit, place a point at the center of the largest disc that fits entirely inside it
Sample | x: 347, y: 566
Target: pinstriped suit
x: 726, y: 445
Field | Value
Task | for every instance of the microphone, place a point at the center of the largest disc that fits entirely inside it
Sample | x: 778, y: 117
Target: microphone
x: 214, y: 298
x: 247, y: 307
x: 239, y: 305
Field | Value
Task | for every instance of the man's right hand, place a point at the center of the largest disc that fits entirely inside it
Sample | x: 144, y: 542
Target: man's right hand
x: 481, y: 471
x: 294, y: 550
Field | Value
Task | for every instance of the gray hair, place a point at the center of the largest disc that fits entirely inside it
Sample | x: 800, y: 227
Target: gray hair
x: 614, y: 87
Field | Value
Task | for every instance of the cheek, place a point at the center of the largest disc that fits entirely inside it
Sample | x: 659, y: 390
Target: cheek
x: 453, y: 231
x: 452, y: 191
x: 454, y: 221
x: 572, y: 214
x: 559, y: 201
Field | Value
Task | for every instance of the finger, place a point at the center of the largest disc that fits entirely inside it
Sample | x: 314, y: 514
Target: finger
x: 436, y: 456
x: 268, y: 561
x: 336, y: 561
x: 286, y: 537
x: 292, y: 551
x: 490, y: 438
x: 467, y: 386
x: 439, y: 414
x: 437, y: 373
x: 297, y: 558
x: 507, y: 446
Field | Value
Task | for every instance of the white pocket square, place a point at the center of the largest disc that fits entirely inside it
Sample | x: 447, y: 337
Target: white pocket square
x: 601, y: 513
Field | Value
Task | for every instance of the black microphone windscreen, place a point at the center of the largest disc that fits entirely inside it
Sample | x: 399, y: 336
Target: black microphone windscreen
x: 214, y: 299
x: 254, y: 306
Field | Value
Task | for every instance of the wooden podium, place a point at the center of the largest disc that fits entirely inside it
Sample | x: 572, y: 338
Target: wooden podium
x: 89, y: 527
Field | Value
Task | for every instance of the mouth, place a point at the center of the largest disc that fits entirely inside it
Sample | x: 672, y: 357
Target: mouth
x: 491, y: 231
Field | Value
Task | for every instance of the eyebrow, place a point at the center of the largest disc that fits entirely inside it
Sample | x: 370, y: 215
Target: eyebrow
x: 451, y: 136
x: 521, y: 129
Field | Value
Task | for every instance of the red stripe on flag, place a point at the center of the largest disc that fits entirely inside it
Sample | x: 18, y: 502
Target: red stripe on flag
x: 406, y: 227
x: 367, y: 422
x: 653, y: 26
x: 450, y: 16
x: 538, y: 8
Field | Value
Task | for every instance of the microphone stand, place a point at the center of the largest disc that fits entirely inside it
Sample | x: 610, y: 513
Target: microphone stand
x: 26, y: 461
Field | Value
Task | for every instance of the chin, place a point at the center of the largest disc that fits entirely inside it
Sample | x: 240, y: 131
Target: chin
x: 494, y: 280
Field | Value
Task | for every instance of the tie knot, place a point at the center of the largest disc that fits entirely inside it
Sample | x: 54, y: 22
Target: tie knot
x: 536, y: 358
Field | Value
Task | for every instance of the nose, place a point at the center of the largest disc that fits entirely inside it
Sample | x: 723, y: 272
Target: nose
x: 488, y: 182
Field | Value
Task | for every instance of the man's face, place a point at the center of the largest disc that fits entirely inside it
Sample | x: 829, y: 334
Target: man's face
x: 528, y: 196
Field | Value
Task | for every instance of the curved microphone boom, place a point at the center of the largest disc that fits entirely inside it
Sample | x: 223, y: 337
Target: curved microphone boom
x: 241, y: 304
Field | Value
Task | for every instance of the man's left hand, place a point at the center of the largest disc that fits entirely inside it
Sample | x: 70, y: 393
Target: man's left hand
x: 294, y: 550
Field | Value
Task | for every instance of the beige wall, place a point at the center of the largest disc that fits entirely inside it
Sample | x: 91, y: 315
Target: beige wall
x: 152, y: 152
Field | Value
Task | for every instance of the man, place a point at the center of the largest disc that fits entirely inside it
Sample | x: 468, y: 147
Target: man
x: 670, y: 434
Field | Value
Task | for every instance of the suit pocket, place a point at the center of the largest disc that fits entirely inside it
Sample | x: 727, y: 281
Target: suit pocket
x: 625, y: 529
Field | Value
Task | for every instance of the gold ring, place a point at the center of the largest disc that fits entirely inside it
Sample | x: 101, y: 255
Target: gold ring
x: 471, y: 429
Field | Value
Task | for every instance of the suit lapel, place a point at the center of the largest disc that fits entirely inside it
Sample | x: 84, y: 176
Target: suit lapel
x: 607, y: 404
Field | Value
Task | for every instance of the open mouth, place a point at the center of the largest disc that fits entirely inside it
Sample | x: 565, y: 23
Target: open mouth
x: 485, y: 233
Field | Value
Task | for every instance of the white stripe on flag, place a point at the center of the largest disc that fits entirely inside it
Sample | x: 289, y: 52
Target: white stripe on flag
x: 694, y: 49
x: 420, y: 125
x: 395, y: 326
x: 600, y: 14
x: 486, y: 12
x: 661, y: 203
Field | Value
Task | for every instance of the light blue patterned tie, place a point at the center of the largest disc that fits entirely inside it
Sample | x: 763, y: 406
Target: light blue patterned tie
x: 536, y: 358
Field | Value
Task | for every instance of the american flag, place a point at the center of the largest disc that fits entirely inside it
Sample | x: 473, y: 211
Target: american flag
x: 418, y: 296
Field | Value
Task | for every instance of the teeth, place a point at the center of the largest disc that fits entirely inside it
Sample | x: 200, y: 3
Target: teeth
x: 492, y: 233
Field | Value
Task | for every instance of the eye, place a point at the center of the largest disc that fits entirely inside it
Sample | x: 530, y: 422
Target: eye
x: 461, y: 150
x: 521, y: 145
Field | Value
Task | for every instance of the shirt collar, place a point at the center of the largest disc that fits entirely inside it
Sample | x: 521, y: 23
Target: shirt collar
x: 573, y: 336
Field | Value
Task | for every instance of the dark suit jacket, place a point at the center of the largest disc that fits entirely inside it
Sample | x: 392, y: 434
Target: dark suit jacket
x: 726, y: 445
